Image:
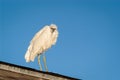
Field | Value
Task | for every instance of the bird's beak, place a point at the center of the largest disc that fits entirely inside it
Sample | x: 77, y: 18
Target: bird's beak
x: 53, y: 29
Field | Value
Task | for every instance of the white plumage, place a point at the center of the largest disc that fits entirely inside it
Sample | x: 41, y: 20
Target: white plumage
x: 42, y: 40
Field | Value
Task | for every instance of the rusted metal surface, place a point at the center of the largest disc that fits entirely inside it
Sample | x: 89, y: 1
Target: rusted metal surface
x: 14, y: 72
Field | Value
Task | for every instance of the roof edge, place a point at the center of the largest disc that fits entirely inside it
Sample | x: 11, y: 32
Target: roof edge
x: 31, y: 69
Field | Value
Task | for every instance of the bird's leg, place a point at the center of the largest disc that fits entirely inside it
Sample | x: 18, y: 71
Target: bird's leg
x: 44, y: 59
x: 39, y: 62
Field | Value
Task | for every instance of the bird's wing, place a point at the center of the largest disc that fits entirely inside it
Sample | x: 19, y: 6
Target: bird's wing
x: 32, y: 49
x: 40, y: 42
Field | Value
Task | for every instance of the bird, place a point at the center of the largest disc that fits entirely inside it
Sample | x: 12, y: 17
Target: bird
x: 41, y: 42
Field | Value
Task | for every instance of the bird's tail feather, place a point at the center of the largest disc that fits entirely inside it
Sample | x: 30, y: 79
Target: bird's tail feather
x: 27, y: 55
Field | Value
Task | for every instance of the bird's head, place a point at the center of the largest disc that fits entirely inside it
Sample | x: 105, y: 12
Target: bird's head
x: 53, y: 27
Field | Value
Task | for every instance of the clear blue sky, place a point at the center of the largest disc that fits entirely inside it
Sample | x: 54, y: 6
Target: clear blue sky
x: 88, y: 46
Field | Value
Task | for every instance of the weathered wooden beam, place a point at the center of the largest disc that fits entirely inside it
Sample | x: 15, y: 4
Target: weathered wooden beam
x: 14, y: 72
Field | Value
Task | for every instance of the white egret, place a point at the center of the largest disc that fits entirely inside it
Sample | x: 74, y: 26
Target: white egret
x: 41, y: 42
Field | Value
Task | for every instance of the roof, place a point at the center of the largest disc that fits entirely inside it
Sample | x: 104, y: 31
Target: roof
x: 10, y: 71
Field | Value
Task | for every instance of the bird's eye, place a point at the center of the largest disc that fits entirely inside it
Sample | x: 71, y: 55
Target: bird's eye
x: 53, y: 29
